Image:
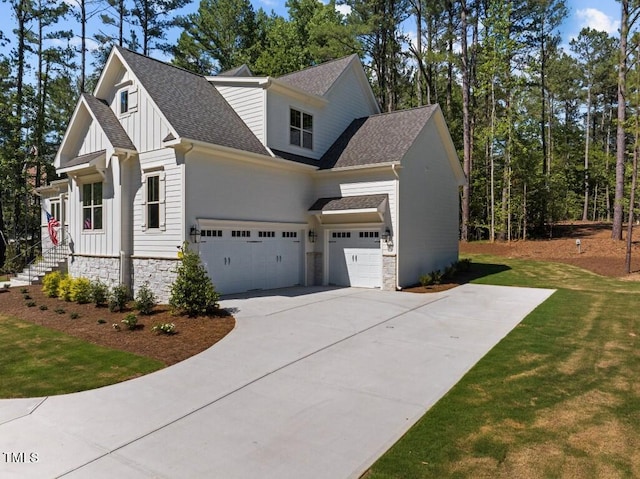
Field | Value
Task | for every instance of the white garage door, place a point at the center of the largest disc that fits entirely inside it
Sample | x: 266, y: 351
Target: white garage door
x: 239, y: 260
x: 355, y: 258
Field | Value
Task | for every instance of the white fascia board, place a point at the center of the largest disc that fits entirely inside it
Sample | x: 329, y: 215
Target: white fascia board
x: 107, y: 64
x: 350, y: 212
x: 262, y: 82
x: 232, y: 153
x: 348, y: 169
x: 56, y: 161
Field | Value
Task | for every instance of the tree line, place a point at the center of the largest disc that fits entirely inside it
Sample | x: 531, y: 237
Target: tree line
x: 544, y: 133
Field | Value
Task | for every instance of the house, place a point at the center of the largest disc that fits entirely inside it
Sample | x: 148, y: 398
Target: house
x: 295, y: 180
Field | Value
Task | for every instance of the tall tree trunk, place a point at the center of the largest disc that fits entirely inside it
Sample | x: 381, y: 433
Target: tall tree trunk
x: 83, y: 45
x: 585, y: 210
x: 466, y: 124
x: 616, y: 231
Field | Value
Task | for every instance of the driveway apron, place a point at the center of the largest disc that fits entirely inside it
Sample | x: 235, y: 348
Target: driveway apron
x: 312, y: 383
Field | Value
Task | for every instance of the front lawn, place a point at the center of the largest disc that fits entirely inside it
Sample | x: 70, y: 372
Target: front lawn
x: 38, y: 361
x: 558, y: 397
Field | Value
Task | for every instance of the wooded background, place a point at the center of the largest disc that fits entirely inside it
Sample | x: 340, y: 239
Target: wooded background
x: 544, y: 134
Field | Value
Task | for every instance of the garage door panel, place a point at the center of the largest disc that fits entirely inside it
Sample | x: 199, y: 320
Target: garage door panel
x: 251, y: 259
x: 355, y: 258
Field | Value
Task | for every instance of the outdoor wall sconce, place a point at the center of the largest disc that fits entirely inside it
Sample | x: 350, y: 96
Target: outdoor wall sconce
x: 194, y: 234
x: 312, y: 236
x: 386, y: 236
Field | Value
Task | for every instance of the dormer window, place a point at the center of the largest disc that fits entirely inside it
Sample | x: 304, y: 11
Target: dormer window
x: 300, y: 129
x: 124, y: 101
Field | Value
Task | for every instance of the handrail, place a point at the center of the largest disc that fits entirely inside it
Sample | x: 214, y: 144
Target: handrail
x: 56, y: 254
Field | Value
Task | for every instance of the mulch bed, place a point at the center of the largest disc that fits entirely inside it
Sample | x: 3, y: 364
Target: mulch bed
x: 193, y: 335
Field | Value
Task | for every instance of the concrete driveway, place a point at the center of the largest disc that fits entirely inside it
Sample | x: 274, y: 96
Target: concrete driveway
x: 312, y: 383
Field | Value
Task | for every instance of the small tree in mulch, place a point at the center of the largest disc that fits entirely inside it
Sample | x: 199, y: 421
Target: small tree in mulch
x: 193, y: 293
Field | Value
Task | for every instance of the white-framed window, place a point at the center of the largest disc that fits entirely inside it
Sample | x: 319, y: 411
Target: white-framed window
x: 124, y: 101
x: 92, y: 206
x: 153, y: 201
x: 300, y: 129
x: 56, y: 210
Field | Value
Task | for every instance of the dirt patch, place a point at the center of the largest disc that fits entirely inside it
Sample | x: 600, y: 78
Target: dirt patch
x: 193, y: 335
x: 598, y: 252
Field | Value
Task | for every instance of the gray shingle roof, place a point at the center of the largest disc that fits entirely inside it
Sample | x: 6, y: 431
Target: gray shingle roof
x: 383, y: 138
x: 348, y: 203
x: 82, y: 159
x: 305, y: 160
x: 318, y: 79
x: 242, y: 70
x: 110, y: 125
x: 193, y: 107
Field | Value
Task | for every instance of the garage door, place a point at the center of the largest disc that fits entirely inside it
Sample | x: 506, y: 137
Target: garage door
x: 239, y: 260
x: 355, y: 258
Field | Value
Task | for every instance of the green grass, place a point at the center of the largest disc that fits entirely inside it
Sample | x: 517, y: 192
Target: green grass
x: 37, y: 361
x: 558, y: 397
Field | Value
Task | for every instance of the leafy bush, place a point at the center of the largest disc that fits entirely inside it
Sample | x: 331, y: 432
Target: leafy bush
x: 99, y: 293
x: 464, y: 265
x: 24, y: 290
x: 59, y: 311
x: 64, y: 288
x: 14, y: 261
x: 101, y: 321
x: 26, y: 296
x: 131, y: 321
x: 118, y: 298
x: 450, y: 271
x: 74, y: 315
x: 43, y: 307
x: 50, y: 283
x: 426, y: 279
x: 31, y: 304
x: 192, y: 293
x: 165, y: 328
x: 81, y: 291
x: 145, y: 300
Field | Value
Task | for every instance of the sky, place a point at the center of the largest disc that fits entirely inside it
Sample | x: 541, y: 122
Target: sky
x: 598, y: 14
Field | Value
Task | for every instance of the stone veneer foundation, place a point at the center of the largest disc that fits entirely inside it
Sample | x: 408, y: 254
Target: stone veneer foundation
x: 159, y: 273
x: 389, y: 272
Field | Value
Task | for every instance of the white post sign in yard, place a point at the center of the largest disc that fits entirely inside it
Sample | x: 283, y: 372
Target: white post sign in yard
x: 578, y: 243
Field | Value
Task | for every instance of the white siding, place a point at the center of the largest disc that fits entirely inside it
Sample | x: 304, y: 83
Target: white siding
x: 348, y: 100
x: 358, y: 184
x: 94, y: 139
x: 248, y: 102
x: 153, y: 242
x: 234, y: 190
x: 105, y: 242
x: 428, y: 208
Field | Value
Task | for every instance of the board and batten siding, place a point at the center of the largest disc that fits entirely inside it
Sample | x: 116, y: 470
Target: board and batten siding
x: 248, y: 102
x: 94, y: 139
x: 234, y: 190
x: 429, y: 210
x: 159, y: 243
x: 104, y: 242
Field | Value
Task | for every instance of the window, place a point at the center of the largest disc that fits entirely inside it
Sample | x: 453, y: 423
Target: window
x: 211, y: 233
x: 241, y: 234
x: 55, y: 210
x: 124, y: 101
x: 300, y: 129
x: 153, y: 202
x: 289, y: 234
x: 369, y: 234
x: 92, y: 206
x: 341, y: 234
x: 266, y: 234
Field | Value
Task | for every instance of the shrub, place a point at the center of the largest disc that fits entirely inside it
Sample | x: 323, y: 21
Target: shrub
x: 426, y: 279
x: 101, y: 321
x: 450, y: 271
x: 118, y: 298
x: 50, y: 283
x: 43, y: 307
x: 145, y: 300
x: 192, y: 292
x: 24, y: 290
x: 99, y: 293
x: 164, y: 328
x: 31, y: 304
x: 464, y: 265
x: 59, y: 311
x: 26, y: 296
x: 64, y: 288
x: 81, y: 291
x: 74, y: 315
x: 131, y: 321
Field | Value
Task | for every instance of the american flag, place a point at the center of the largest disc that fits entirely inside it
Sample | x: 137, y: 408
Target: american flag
x: 52, y: 224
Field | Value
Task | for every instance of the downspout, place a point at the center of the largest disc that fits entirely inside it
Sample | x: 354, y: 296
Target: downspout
x: 185, y: 233
x: 396, y: 243
x: 126, y: 230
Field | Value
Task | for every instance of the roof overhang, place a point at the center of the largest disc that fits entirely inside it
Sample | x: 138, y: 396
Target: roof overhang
x: 54, y: 188
x: 350, y: 209
x: 90, y: 163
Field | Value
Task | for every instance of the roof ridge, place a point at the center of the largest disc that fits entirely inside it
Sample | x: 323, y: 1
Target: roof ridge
x: 328, y: 62
x: 118, y: 47
x: 405, y: 110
